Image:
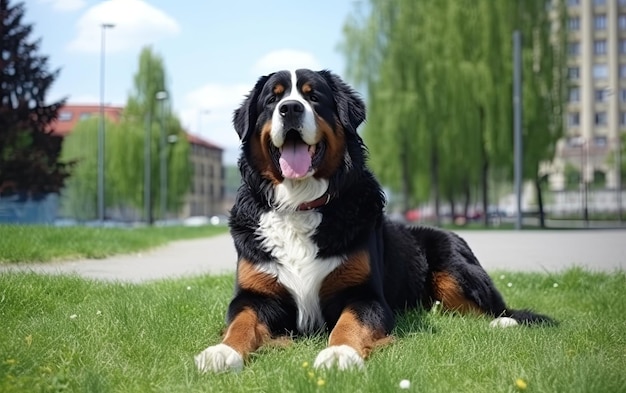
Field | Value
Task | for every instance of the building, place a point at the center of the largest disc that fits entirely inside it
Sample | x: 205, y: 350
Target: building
x: 596, y: 108
x: 207, y: 186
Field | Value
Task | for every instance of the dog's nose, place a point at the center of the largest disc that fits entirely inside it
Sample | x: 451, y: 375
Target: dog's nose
x: 291, y: 108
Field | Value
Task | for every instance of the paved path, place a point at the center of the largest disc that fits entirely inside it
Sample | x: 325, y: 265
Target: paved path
x: 598, y: 250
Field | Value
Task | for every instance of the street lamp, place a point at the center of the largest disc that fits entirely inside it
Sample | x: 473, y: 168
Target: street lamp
x: 162, y: 96
x: 200, y: 113
x: 580, y: 142
x: 104, y: 26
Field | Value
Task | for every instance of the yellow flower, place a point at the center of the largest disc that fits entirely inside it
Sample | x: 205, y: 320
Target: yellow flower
x: 521, y: 384
x: 321, y: 382
x: 305, y: 364
x: 29, y: 339
x: 10, y: 362
x: 311, y: 374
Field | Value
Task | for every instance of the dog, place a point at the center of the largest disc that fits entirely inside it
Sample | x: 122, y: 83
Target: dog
x: 315, y: 249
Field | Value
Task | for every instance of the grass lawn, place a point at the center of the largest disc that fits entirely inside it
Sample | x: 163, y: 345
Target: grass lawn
x: 70, y: 334
x: 30, y: 243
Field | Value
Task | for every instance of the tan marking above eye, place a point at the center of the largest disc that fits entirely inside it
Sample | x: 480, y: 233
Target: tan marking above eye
x: 279, y: 89
x: 307, y: 88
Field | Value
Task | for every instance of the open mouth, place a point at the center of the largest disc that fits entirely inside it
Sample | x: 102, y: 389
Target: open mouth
x: 295, y: 158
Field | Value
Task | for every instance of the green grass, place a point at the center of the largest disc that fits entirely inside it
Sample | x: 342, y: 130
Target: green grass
x: 28, y: 243
x: 69, y: 334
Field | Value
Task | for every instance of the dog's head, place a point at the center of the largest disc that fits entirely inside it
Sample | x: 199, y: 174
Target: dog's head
x: 299, y: 127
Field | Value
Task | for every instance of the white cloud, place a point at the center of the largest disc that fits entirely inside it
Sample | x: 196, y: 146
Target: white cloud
x: 65, y: 5
x: 285, y: 59
x: 136, y: 24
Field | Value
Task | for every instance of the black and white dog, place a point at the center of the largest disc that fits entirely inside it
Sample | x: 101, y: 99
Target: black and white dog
x: 315, y: 250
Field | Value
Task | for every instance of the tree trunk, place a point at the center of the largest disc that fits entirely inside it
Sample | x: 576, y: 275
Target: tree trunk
x: 406, y: 181
x: 484, y: 170
x: 466, y: 202
x: 542, y: 220
x: 452, y: 209
x: 434, y: 174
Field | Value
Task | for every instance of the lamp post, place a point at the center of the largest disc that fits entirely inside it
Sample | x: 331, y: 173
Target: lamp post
x: 100, y: 198
x: 200, y: 113
x: 580, y: 142
x: 162, y: 96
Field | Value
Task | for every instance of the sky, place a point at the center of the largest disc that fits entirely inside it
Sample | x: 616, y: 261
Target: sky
x: 214, y: 51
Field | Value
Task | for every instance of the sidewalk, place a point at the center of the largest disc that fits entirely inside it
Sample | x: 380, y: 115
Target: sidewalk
x: 542, y: 251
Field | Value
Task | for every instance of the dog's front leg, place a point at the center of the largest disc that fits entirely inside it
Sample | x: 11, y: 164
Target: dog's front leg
x: 351, y: 340
x: 244, y: 335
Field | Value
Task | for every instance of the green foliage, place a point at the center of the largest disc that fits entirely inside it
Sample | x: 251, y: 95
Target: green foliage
x: 68, y: 334
x: 125, y: 154
x: 438, y: 77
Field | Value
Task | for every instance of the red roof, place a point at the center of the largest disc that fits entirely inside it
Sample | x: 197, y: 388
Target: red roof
x: 70, y: 114
x: 196, y: 140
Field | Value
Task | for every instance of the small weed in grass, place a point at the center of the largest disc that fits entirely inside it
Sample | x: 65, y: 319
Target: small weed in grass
x: 70, y: 334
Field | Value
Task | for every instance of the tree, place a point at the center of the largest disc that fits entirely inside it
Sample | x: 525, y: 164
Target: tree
x: 143, y: 112
x: 29, y: 153
x: 438, y: 76
x: 125, y: 143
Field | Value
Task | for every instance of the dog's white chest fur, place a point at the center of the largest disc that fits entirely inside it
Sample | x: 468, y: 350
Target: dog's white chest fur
x: 288, y: 237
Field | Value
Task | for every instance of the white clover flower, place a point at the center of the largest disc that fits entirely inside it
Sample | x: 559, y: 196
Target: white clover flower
x: 509, y: 284
x: 73, y: 316
x: 405, y: 384
x: 555, y: 285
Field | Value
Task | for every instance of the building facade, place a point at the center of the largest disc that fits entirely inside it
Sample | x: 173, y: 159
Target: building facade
x: 207, y: 186
x: 596, y: 108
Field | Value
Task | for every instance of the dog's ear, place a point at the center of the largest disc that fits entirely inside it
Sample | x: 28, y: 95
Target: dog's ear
x: 245, y: 117
x: 350, y: 107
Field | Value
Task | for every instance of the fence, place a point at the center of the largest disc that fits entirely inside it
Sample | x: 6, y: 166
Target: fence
x: 17, y: 210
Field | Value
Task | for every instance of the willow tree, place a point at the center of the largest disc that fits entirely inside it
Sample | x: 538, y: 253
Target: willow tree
x: 438, y: 77
x: 544, y: 65
x: 144, y: 115
x: 126, y: 142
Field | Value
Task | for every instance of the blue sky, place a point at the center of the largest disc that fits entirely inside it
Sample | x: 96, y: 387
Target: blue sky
x: 213, y: 50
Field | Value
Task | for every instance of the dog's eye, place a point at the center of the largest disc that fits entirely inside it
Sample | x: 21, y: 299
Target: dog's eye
x: 313, y: 98
x: 271, y: 100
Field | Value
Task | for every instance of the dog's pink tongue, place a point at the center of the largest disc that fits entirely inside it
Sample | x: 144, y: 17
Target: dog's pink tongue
x: 295, y: 159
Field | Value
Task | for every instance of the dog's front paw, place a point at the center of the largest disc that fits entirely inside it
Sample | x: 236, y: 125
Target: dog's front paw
x: 343, y: 357
x: 219, y: 358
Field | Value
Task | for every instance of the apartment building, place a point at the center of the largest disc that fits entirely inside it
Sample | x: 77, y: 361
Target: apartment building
x: 207, y: 187
x: 596, y: 109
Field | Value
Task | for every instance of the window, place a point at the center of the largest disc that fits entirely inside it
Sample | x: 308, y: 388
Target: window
x: 599, y: 2
x: 621, y: 22
x: 622, y: 71
x: 573, y: 23
x: 601, y: 95
x: 574, y: 72
x: 600, y: 118
x: 575, y: 2
x: 599, y: 22
x: 85, y: 115
x: 599, y: 47
x: 65, y: 116
x: 573, y: 48
x: 622, y: 118
x: 573, y: 119
x: 600, y: 71
x: 622, y: 95
x: 599, y: 141
x: 574, y: 94
x: 622, y: 47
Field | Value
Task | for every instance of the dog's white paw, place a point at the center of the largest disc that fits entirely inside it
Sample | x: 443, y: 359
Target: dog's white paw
x: 503, y: 322
x: 343, y: 357
x: 219, y: 358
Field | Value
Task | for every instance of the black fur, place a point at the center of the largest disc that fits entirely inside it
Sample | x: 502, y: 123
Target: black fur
x: 403, y: 259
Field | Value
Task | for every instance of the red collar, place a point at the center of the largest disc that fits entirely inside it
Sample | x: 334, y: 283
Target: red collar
x: 314, y: 204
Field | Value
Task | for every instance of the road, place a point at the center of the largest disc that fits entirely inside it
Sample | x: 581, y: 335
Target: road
x: 543, y: 251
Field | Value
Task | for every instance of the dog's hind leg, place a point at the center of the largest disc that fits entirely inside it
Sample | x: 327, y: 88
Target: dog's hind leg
x: 466, y: 287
